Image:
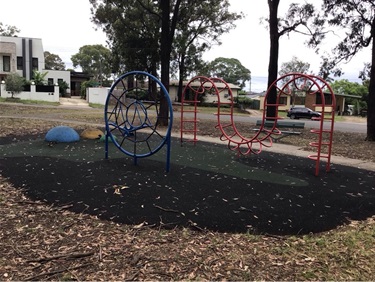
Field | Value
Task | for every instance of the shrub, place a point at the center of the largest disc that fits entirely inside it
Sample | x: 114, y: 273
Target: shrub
x: 14, y: 83
x: 63, y: 86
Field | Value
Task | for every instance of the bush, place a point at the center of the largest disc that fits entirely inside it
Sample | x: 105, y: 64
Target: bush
x: 63, y: 86
x: 244, y: 102
x: 14, y: 83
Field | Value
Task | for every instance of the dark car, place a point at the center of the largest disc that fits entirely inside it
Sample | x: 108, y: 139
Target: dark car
x: 302, y: 112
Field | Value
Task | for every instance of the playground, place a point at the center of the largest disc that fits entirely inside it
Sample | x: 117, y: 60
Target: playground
x: 208, y: 187
x: 138, y: 173
x: 70, y: 212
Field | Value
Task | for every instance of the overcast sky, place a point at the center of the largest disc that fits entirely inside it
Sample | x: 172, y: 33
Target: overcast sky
x: 64, y: 26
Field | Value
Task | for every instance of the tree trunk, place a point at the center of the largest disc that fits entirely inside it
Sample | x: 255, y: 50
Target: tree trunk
x: 153, y: 88
x: 274, y: 55
x: 168, y: 28
x: 371, y: 93
x: 181, y: 77
x: 165, y: 47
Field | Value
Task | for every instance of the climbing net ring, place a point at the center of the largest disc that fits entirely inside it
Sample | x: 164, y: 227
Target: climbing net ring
x: 133, y: 114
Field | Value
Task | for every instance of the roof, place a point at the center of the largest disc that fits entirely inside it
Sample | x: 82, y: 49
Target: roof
x: 196, y: 83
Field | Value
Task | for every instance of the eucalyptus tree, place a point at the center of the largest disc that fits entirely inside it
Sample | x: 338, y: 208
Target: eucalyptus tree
x: 199, y: 27
x: 8, y: 30
x: 297, y: 66
x: 95, y: 60
x: 186, y: 63
x: 294, y: 65
x: 156, y: 30
x: 132, y: 28
x: 301, y: 19
x: 230, y: 70
x: 53, y: 62
x: 357, y: 19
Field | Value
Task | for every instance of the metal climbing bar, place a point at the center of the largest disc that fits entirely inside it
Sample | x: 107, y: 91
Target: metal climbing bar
x: 286, y: 85
x: 132, y: 114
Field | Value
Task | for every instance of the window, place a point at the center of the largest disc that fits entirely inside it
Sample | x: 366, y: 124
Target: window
x: 283, y: 100
x: 59, y: 81
x: 19, y: 63
x: 35, y: 63
x: 6, y: 63
x: 50, y: 81
x: 327, y: 99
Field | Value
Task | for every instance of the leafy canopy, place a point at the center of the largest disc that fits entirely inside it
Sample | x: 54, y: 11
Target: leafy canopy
x: 14, y: 83
x: 53, y: 62
x: 39, y: 78
x: 8, y: 30
x: 230, y: 70
x: 94, y: 60
x: 294, y: 65
x: 356, y: 18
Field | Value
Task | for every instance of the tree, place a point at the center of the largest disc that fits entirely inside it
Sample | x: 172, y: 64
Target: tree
x: 156, y: 28
x: 138, y: 47
x: 301, y: 19
x: 63, y: 86
x: 8, y: 30
x: 53, y: 62
x: 357, y: 19
x: 365, y: 74
x: 95, y: 60
x: 39, y: 78
x: 294, y: 65
x: 230, y: 70
x: 199, y: 27
x: 14, y: 83
x: 344, y: 86
x: 297, y: 66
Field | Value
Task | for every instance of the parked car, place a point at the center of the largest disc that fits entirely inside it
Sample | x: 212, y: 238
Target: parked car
x: 302, y: 112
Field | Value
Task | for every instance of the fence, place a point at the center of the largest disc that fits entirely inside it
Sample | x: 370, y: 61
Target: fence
x: 48, y: 93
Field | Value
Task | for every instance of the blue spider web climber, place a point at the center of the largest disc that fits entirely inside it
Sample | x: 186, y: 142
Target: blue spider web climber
x: 132, y: 116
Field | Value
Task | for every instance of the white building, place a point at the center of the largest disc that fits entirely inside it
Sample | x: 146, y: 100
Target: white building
x: 23, y: 56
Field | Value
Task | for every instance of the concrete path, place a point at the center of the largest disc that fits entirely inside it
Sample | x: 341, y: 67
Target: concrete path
x: 299, y: 152
x: 74, y: 101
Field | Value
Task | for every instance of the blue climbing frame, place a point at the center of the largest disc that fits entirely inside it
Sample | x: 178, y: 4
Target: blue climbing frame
x: 133, y: 116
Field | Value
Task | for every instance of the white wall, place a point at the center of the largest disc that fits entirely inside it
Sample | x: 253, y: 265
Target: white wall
x: 56, y: 75
x: 32, y: 95
x: 96, y: 95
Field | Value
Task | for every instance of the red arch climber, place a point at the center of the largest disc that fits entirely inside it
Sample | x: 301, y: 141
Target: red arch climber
x: 287, y: 85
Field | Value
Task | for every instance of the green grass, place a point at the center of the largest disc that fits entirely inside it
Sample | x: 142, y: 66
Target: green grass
x: 32, y: 102
x: 96, y: 106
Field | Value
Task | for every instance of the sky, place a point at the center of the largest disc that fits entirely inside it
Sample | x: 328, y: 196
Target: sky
x: 65, y: 25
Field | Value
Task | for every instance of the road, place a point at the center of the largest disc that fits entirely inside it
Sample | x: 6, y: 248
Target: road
x: 353, y: 127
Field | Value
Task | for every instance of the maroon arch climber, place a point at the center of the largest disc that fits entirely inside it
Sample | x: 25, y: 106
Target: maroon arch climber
x: 309, y: 86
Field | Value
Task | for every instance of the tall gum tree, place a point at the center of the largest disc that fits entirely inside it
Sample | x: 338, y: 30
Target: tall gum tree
x: 8, y: 30
x: 357, y: 19
x: 229, y: 69
x: 93, y: 59
x: 169, y: 18
x: 199, y: 27
x: 300, y: 19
